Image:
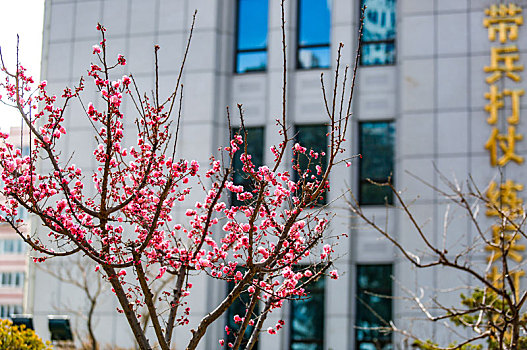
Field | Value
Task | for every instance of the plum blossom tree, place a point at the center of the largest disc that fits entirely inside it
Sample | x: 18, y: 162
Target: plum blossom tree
x: 127, y: 228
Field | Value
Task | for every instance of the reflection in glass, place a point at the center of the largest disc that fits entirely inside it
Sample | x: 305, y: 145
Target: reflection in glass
x: 252, y: 24
x: 251, y: 62
x: 378, y: 54
x: 379, y: 31
x: 376, y: 146
x: 251, y: 39
x: 313, y: 34
x: 374, y: 306
x: 307, y: 319
x: 379, y: 20
x: 255, y: 146
x: 313, y: 57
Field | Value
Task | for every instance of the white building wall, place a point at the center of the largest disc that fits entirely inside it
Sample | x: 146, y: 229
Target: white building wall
x: 434, y: 92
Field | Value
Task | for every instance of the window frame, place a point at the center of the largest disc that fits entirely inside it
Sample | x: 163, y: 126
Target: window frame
x: 7, y: 310
x: 12, y: 279
x: 238, y: 51
x: 361, y: 181
x: 299, y: 47
x: 377, y: 291
x: 377, y: 42
x: 291, y: 312
x: 324, y: 164
x: 233, y: 200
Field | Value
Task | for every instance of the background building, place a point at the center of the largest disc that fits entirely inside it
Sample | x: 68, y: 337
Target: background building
x: 419, y: 111
x: 13, y: 252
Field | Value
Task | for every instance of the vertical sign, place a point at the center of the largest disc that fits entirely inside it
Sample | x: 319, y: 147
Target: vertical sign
x: 504, y: 73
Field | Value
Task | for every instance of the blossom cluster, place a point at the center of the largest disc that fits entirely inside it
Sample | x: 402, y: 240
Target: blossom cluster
x: 128, y: 226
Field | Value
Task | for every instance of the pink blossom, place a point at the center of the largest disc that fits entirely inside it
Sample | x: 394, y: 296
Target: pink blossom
x: 334, y: 274
x: 114, y: 100
x: 121, y: 60
x: 96, y: 49
x: 299, y: 148
x: 238, y: 275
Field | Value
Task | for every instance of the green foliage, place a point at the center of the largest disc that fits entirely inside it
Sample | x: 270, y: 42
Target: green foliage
x: 479, y: 300
x: 20, y: 338
x: 493, y: 308
x: 429, y: 345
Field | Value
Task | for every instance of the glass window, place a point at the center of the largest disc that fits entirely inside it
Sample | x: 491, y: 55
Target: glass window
x: 312, y: 137
x: 20, y: 246
x: 313, y: 34
x: 255, y: 145
x: 376, y: 146
x: 8, y: 310
x: 307, y: 319
x: 17, y: 309
x: 7, y: 279
x: 239, y: 308
x: 9, y: 246
x: 19, y: 279
x: 374, y: 307
x: 251, y: 39
x: 378, y: 34
x: 25, y: 150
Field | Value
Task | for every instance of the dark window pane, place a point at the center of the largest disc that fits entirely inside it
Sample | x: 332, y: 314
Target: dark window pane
x: 377, y: 54
x: 251, y: 44
x: 313, y: 22
x: 305, y: 346
x: 307, y: 319
x: 313, y: 34
x: 251, y: 62
x: 374, y: 306
x: 255, y: 145
x: 312, y: 137
x: 252, y: 24
x: 313, y: 57
x: 379, y: 32
x: 372, y: 194
x: 376, y: 145
x: 238, y: 307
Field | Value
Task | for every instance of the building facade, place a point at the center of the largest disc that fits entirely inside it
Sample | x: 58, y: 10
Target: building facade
x: 13, y: 251
x: 419, y: 113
